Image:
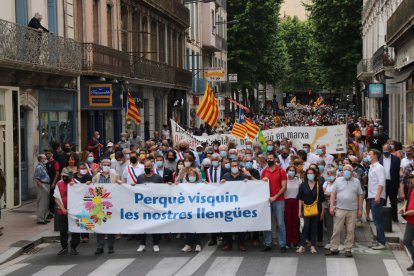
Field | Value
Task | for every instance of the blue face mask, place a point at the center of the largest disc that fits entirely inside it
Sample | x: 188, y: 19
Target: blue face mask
x: 331, y: 178
x: 223, y: 153
x: 232, y: 157
x: 306, y: 150
x: 200, y: 153
x: 159, y: 164
x: 311, y: 177
x: 269, y: 148
x: 367, y: 159
x: 386, y: 153
x: 319, y: 152
x: 347, y: 174
x: 215, y: 164
x: 340, y: 167
x: 249, y: 165
x: 321, y: 168
x: 241, y: 164
x: 192, y: 179
x: 291, y: 173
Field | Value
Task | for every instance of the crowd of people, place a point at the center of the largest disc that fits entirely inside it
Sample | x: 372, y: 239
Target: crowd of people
x: 311, y: 191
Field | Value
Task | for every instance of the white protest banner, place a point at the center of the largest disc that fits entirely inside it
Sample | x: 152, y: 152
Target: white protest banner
x: 160, y: 208
x: 334, y: 137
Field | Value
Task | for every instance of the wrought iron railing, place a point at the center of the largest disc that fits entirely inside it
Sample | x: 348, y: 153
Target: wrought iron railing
x: 364, y: 66
x: 24, y: 48
x: 148, y: 70
x: 101, y: 59
x: 403, y: 15
x: 174, y: 8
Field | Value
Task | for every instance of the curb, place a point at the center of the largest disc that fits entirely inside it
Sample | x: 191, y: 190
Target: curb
x: 16, y: 251
x: 390, y: 237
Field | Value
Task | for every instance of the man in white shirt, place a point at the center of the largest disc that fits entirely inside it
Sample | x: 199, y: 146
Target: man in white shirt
x: 321, y: 151
x: 133, y: 170
x: 284, y: 158
x: 312, y: 158
x: 408, y: 159
x: 376, y: 196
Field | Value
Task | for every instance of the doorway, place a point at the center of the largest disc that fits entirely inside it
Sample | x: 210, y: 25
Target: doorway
x: 23, y: 155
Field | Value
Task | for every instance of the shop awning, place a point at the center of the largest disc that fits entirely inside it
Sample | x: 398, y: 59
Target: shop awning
x: 403, y: 75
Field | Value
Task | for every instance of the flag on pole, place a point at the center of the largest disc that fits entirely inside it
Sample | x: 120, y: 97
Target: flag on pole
x: 252, y: 128
x: 208, y: 110
x: 262, y: 141
x: 293, y: 100
x: 132, y: 111
x: 239, y: 130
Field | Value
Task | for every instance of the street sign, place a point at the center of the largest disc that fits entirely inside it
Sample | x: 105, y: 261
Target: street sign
x: 232, y: 78
x: 215, y: 74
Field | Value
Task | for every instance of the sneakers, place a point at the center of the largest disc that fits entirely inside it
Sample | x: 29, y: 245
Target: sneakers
x: 328, y: 246
x: 73, y: 252
x: 313, y: 250
x: 64, y: 251
x: 99, y: 251
x: 332, y: 253
x: 141, y: 248
x: 266, y: 249
x: 341, y: 247
x: 187, y: 248
x: 198, y: 248
x: 156, y: 248
x: 348, y: 254
x: 379, y: 246
x: 301, y: 249
x: 374, y: 243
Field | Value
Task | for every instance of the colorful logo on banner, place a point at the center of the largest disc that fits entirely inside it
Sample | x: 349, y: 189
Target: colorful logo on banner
x: 97, y: 208
x: 100, y: 95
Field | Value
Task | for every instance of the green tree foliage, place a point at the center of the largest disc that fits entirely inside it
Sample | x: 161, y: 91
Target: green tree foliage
x: 337, y: 33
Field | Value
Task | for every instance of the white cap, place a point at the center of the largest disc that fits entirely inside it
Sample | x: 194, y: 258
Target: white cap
x: 110, y: 144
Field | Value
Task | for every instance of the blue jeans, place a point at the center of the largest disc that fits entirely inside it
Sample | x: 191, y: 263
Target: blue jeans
x: 278, y: 211
x: 377, y: 216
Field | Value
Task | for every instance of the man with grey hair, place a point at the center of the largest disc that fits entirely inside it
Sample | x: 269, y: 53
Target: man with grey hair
x: 35, y: 23
x: 346, y: 207
x: 215, y: 173
x: 42, y: 181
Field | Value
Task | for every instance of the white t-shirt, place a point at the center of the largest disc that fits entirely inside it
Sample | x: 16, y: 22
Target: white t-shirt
x: 292, y: 187
x: 128, y: 177
x: 376, y: 177
x: 327, y: 158
x: 406, y: 162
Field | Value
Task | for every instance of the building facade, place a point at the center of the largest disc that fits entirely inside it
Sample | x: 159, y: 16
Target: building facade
x: 385, y: 50
x: 294, y: 8
x: 206, y: 47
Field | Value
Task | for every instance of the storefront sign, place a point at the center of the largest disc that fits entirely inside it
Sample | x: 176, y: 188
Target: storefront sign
x: 334, y: 137
x: 100, y: 95
x: 215, y: 74
x: 161, y: 208
x: 233, y: 78
x: 376, y: 90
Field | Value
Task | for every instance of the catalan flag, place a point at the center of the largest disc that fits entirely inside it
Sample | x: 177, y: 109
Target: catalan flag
x: 208, y: 110
x: 251, y: 128
x: 239, y: 130
x: 132, y: 111
x: 319, y: 101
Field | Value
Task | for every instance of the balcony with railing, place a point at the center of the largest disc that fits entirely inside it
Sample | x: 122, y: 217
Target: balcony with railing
x: 383, y: 59
x: 221, y: 43
x: 364, y: 69
x: 400, y: 22
x: 147, y: 70
x: 174, y: 9
x: 102, y: 60
x: 24, y: 48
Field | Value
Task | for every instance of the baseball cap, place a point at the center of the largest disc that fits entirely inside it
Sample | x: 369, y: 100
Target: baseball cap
x: 110, y: 144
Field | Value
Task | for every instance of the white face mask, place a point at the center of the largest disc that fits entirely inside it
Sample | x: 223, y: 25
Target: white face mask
x: 234, y: 170
x: 187, y: 164
x: 106, y: 168
x: 227, y: 165
x: 83, y: 172
x: 98, y: 136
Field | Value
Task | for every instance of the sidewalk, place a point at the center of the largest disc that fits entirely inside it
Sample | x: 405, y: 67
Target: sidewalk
x: 21, y: 231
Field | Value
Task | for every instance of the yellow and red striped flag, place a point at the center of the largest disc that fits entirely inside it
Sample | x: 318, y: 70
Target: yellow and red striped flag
x: 252, y: 128
x: 132, y: 111
x: 208, y: 110
x: 239, y: 130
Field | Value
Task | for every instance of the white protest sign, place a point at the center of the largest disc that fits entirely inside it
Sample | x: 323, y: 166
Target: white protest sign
x: 160, y: 208
x: 334, y: 137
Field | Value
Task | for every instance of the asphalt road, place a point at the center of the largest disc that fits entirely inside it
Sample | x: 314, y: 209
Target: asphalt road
x: 43, y: 261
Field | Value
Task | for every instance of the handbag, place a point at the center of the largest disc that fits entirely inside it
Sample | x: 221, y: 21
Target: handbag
x: 311, y: 210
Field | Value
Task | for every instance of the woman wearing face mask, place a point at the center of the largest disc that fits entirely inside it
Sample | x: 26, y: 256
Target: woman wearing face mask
x: 91, y: 166
x: 170, y: 160
x: 71, y: 163
x: 328, y: 188
x: 177, y: 170
x: 321, y: 167
x: 83, y: 177
x: 309, y: 192
x: 192, y: 239
x: 188, y: 163
x: 292, y: 207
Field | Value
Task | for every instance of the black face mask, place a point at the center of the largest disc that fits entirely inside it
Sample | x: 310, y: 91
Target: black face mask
x: 66, y: 179
x: 270, y: 163
x: 354, y: 165
x: 147, y: 170
x: 66, y: 149
x: 171, y: 159
x: 133, y: 159
x: 284, y: 156
x: 183, y: 148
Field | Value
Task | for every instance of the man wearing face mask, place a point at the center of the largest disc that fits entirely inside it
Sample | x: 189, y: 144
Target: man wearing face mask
x: 166, y: 174
x: 149, y: 177
x: 121, y: 162
x: 312, y: 158
x: 124, y: 143
x: 106, y: 176
x: 94, y: 145
x: 216, y: 172
x: 200, y: 152
x: 391, y: 164
x: 234, y: 175
x: 376, y: 140
x: 133, y: 170
x: 109, y: 151
x: 223, y: 151
x: 134, y: 139
x: 321, y: 152
x: 277, y: 178
x: 232, y: 154
x: 270, y: 146
x: 346, y: 207
x: 284, y: 158
x: 250, y: 171
x: 42, y: 181
x: 61, y: 199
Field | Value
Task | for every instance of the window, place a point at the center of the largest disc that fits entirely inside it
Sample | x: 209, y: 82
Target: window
x: 21, y: 12
x: 95, y: 10
x: 109, y: 24
x: 187, y: 58
x: 213, y: 22
x: 153, y: 35
x: 161, y: 31
x: 196, y: 22
x: 52, y: 16
x: 79, y: 20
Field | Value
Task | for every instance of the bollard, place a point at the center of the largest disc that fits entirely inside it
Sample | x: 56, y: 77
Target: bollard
x: 386, y: 218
